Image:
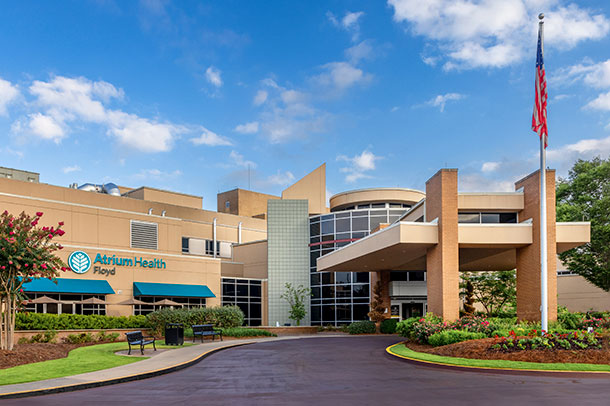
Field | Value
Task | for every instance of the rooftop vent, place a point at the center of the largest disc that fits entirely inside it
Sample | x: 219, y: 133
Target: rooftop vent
x: 106, y: 188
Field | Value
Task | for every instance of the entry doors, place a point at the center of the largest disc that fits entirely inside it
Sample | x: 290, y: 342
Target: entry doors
x: 412, y: 310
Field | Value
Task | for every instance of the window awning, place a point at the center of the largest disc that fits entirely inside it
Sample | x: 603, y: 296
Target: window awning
x: 171, y: 290
x: 64, y: 285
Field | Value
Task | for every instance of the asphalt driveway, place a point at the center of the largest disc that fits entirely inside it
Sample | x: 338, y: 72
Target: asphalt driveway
x: 331, y: 371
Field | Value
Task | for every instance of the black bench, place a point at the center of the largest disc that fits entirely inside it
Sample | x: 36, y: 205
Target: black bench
x: 205, y: 330
x: 136, y: 338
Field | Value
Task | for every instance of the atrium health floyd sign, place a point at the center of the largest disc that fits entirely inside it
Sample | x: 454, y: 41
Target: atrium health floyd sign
x: 80, y: 262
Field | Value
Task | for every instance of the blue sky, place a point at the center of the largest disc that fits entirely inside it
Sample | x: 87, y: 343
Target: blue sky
x: 188, y: 96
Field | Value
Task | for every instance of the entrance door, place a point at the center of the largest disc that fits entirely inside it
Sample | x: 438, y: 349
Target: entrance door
x: 412, y: 310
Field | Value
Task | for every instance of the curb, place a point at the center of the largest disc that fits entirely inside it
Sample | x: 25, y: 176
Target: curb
x: 500, y: 371
x: 114, y: 381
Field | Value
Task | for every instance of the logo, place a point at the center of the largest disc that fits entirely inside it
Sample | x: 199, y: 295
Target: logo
x: 79, y: 262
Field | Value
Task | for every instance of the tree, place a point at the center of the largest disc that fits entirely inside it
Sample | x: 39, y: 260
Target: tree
x: 378, y: 309
x: 494, y: 290
x: 585, y: 196
x: 26, y: 253
x: 469, y: 298
x: 295, y: 296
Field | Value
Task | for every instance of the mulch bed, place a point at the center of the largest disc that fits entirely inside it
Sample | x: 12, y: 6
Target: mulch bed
x: 37, y: 352
x: 481, y: 349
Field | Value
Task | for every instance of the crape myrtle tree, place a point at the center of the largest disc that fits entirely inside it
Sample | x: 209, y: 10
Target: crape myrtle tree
x: 496, y: 291
x: 295, y: 296
x: 585, y: 196
x: 26, y: 253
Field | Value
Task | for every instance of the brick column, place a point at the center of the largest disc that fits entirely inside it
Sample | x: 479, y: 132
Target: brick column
x: 528, y: 258
x: 442, y: 260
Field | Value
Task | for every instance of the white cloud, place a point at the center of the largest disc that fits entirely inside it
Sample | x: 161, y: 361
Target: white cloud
x: 210, y: 138
x: 212, y: 75
x: 496, y: 33
x: 394, y: 109
x: 350, y: 22
x: 78, y: 100
x: 260, y: 98
x: 473, y: 182
x: 248, y: 128
x: 359, y: 165
x: 602, y: 102
x: 363, y: 50
x: 45, y: 127
x: 70, y: 169
x: 596, y: 75
x: 156, y: 174
x: 490, y: 166
x: 8, y: 94
x: 563, y: 157
x: 440, y: 100
x: 281, y: 179
x: 239, y: 160
x: 342, y: 75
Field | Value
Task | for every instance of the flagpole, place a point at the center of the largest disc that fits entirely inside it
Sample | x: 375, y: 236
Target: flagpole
x: 544, y: 307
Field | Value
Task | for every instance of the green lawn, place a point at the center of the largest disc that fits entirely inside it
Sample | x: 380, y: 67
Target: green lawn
x: 78, y: 361
x: 401, y: 349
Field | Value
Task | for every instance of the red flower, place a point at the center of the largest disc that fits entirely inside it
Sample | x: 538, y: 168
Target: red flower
x: 61, y: 223
x: 39, y: 214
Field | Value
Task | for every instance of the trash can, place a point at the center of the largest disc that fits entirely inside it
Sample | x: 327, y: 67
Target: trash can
x: 174, y: 334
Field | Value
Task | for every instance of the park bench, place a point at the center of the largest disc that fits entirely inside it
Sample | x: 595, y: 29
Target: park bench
x: 136, y: 338
x: 205, y: 330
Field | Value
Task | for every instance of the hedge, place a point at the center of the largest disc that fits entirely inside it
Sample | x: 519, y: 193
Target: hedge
x: 219, y: 316
x: 453, y: 336
x: 362, y: 327
x: 45, y: 321
x: 246, y: 332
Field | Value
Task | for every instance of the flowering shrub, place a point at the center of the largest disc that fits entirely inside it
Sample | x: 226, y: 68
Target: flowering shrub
x: 576, y: 340
x: 595, y: 323
x: 421, y: 329
x: 453, y: 336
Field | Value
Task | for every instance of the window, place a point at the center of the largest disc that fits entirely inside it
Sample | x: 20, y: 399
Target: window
x: 181, y: 302
x: 247, y: 295
x: 185, y: 245
x: 68, y: 304
x: 469, y: 218
x: 487, y: 218
x: 144, y: 235
x: 227, y: 204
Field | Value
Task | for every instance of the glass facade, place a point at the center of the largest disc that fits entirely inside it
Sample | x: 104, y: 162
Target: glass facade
x: 343, y: 297
x: 245, y: 294
x: 487, y: 218
x: 183, y: 302
x: 67, y: 304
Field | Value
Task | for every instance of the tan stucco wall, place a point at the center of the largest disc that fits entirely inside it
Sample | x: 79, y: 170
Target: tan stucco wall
x: 243, y: 202
x: 312, y: 188
x: 99, y: 223
x: 396, y: 195
x: 497, y: 202
x: 579, y: 295
x: 164, y: 196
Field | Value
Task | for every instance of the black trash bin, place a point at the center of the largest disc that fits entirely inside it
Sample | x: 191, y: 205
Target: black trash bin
x: 174, y: 334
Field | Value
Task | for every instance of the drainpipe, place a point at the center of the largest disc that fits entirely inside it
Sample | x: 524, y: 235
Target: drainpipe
x: 214, y: 242
x: 239, y: 233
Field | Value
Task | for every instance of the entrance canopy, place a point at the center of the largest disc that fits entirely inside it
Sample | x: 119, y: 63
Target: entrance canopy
x: 64, y: 285
x: 171, y: 290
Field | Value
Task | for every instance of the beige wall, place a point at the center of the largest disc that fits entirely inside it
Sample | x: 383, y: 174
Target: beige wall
x: 100, y: 223
x: 164, y: 196
x: 396, y: 195
x: 579, y: 295
x: 243, y: 202
x: 311, y: 188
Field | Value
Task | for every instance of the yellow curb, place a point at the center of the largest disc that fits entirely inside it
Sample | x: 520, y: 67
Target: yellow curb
x: 388, y: 350
x: 120, y: 378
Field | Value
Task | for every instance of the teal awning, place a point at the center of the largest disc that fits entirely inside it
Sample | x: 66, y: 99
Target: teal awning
x: 171, y: 290
x: 78, y: 286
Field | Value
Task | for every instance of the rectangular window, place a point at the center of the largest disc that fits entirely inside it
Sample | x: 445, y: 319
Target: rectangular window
x: 469, y: 218
x: 185, y: 245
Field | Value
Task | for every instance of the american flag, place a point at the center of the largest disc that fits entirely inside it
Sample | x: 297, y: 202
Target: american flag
x: 539, y: 116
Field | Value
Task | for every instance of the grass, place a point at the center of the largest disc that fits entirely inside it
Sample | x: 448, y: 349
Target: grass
x: 402, y: 350
x: 79, y: 361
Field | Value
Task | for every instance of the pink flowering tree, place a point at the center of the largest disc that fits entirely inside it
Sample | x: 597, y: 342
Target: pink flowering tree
x: 27, y: 251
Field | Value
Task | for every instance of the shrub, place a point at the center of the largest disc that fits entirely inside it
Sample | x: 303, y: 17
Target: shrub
x: 246, y: 332
x: 362, y: 327
x: 405, y: 328
x: 46, y: 337
x: 219, y: 316
x: 80, y: 338
x: 388, y: 326
x: 569, y: 321
x: 102, y: 336
x: 45, y: 321
x: 453, y: 336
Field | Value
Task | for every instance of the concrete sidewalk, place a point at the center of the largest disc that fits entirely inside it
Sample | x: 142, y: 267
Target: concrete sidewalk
x: 162, y: 363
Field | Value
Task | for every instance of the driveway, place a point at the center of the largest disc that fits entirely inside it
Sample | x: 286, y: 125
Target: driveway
x: 331, y: 371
